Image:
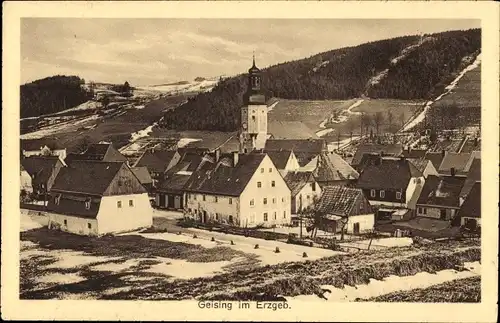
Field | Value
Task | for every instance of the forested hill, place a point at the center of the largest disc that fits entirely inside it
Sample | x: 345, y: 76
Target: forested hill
x: 411, y: 67
x: 51, y: 94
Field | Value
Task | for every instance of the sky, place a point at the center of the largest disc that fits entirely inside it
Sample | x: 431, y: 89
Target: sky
x: 157, y: 51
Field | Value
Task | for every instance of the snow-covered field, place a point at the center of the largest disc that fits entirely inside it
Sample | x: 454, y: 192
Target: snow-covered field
x: 448, y: 89
x: 392, y: 284
x: 205, y: 85
x: 186, y: 141
x: 60, y: 127
x: 142, y: 133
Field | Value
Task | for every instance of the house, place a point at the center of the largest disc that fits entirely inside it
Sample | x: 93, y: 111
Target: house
x: 393, y: 186
x: 158, y: 162
x: 95, y: 198
x: 245, y: 190
x: 143, y: 176
x: 100, y: 152
x: 42, y: 147
x: 392, y: 150
x: 305, y: 150
x: 284, y: 160
x: 425, y: 166
x: 43, y: 171
x: 345, y: 208
x: 440, y: 197
x: 26, y: 182
x: 170, y: 192
x: 473, y: 176
x: 304, y: 190
x: 454, y: 164
x: 331, y: 170
x: 470, y: 211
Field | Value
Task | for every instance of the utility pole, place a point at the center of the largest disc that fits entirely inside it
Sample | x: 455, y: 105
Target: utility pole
x: 300, y: 224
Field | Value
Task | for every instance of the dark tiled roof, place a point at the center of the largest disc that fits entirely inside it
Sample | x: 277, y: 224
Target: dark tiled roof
x: 474, y: 156
x: 391, y: 173
x: 74, y: 205
x: 386, y: 150
x: 192, y: 159
x: 454, y: 160
x: 420, y: 163
x: 338, y: 200
x: 414, y: 153
x: 174, y: 183
x: 472, y: 204
x: 331, y: 167
x: 435, y: 158
x: 297, y: 180
x: 441, y: 191
x: 304, y: 158
x: 279, y: 158
x: 297, y: 145
x: 156, y: 161
x: 142, y: 174
x: 40, y: 166
x: 473, y: 176
x: 36, y: 144
x: 86, y: 177
x: 224, y: 180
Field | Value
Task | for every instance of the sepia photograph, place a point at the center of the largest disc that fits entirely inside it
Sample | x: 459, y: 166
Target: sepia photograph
x: 251, y: 163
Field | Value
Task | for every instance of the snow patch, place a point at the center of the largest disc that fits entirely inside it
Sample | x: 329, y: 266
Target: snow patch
x: 142, y: 133
x: 271, y: 107
x: 73, y: 259
x: 183, y: 269
x: 186, y: 141
x: 61, y: 127
x: 58, y: 278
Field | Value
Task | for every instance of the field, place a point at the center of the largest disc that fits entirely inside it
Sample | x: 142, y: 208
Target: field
x: 159, y: 265
x: 467, y: 290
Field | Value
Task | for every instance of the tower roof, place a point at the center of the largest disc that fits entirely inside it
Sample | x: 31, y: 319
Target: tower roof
x: 254, y: 68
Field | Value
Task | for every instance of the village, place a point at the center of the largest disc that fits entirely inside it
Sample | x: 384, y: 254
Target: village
x: 280, y: 199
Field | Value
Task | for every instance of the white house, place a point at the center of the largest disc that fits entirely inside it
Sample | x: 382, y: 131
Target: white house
x: 95, y: 198
x: 246, y: 191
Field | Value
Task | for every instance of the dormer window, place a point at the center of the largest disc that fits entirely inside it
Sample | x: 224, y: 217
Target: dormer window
x: 398, y: 195
x: 57, y: 199
x: 382, y: 193
x: 87, y: 203
x: 372, y: 193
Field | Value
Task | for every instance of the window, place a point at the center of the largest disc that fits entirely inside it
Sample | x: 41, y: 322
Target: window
x: 274, y: 200
x: 372, y: 193
x: 216, y: 199
x: 265, y: 216
x: 425, y: 210
x: 130, y: 202
x: 313, y: 186
x: 194, y: 196
x: 65, y: 222
x: 308, y: 197
x: 265, y: 200
x: 282, y: 199
x: 284, y: 214
x: 275, y: 215
x: 252, y: 202
x: 204, y: 198
x: 382, y: 193
x: 230, y: 201
x: 398, y: 195
x: 420, y: 210
x: 217, y: 216
x: 262, y: 170
x: 253, y: 118
x: 57, y: 199
x: 273, y: 184
x: 89, y: 225
x: 270, y: 170
x: 259, y: 184
x: 87, y: 203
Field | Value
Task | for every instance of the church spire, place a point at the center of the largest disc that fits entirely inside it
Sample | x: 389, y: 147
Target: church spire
x: 253, y: 56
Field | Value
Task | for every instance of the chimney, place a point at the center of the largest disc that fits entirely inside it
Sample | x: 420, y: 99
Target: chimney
x: 452, y: 171
x: 217, y: 155
x: 443, y: 152
x: 236, y: 157
x: 409, y: 149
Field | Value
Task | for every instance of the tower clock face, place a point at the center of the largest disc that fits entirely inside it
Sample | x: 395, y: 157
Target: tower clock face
x: 244, y: 125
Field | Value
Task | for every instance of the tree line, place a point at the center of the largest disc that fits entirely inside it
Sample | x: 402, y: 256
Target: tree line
x: 338, y: 74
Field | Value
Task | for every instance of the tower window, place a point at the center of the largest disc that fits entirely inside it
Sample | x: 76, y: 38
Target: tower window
x: 253, y: 118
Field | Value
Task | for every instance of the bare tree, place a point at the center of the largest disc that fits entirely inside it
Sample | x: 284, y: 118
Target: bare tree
x: 378, y: 118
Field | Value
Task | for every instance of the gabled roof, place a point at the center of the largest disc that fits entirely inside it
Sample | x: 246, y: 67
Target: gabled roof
x: 473, y: 156
x: 40, y: 166
x: 304, y: 158
x: 174, y: 182
x: 142, y: 174
x: 435, y: 158
x: 420, y: 163
x: 386, y: 150
x: 193, y: 161
x: 454, y: 160
x: 297, y: 145
x: 473, y: 176
x: 280, y: 158
x: 472, y: 204
x: 393, y: 173
x: 331, y: 167
x: 98, y: 152
x: 297, y: 180
x: 338, y: 200
x: 156, y: 160
x: 36, y: 144
x: 75, y: 205
x: 225, y: 180
x: 87, y: 177
x: 441, y: 191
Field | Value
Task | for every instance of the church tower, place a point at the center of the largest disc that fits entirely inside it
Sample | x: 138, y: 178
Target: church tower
x: 253, y: 132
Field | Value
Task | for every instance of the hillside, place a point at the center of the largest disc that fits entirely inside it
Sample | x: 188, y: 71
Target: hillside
x: 410, y: 67
x: 52, y: 94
